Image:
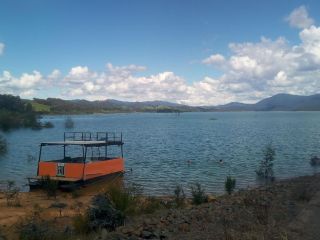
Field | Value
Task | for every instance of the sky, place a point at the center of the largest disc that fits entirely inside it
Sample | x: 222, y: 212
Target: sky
x: 190, y: 52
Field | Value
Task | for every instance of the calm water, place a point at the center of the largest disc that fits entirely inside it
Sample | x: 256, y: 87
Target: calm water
x: 164, y: 149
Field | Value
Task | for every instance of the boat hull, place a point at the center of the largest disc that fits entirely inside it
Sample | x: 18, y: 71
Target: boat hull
x: 77, y: 174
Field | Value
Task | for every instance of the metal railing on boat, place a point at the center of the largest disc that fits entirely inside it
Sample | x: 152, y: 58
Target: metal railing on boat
x: 109, y: 137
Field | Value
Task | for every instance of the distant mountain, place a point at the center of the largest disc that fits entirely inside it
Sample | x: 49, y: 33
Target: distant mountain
x: 60, y: 106
x: 279, y: 102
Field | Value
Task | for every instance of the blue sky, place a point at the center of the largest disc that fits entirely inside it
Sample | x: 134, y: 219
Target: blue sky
x: 160, y: 36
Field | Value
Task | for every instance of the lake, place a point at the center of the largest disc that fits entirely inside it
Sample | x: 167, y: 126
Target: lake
x: 164, y: 149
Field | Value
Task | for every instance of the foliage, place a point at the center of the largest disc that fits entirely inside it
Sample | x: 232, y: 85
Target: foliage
x: 303, y: 192
x: 260, y: 202
x: 75, y: 194
x: 40, y: 108
x: 69, y: 123
x: 60, y: 206
x: 35, y: 228
x: 150, y: 205
x: 265, y: 170
x: 124, y: 199
x: 179, y: 196
x: 230, y: 184
x: 81, y: 224
x: 102, y: 214
x: 198, y: 194
x: 12, y: 194
x: 48, y: 125
x: 315, y: 161
x: 15, y: 113
x: 50, y: 186
x: 3, y: 145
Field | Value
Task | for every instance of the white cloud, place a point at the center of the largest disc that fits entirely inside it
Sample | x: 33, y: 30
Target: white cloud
x: 1, y: 48
x: 79, y: 75
x: 25, y: 85
x: 261, y: 69
x: 214, y: 59
x: 55, y: 74
x: 299, y: 18
x: 250, y: 71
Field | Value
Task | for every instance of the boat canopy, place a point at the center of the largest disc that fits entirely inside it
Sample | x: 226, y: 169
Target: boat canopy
x: 80, y: 143
x: 88, y: 139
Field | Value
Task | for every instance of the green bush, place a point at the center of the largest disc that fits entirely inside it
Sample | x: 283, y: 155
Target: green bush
x: 34, y: 228
x: 48, y: 125
x: 315, y: 161
x: 3, y: 145
x: 15, y: 113
x: 230, y: 184
x: 12, y: 194
x: 102, y: 214
x: 60, y: 206
x: 50, y: 186
x: 69, y: 123
x: 80, y: 224
x: 124, y: 199
x: 179, y: 196
x: 198, y: 194
x: 265, y: 170
x: 150, y: 205
x: 303, y: 192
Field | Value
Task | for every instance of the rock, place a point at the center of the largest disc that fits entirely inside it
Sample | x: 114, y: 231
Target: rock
x: 104, y: 233
x: 146, y: 234
x: 134, y: 238
x: 211, y: 198
x: 163, y: 235
x: 137, y: 231
x: 184, y: 227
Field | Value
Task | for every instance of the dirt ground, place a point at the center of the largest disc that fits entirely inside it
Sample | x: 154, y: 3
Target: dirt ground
x: 37, y: 202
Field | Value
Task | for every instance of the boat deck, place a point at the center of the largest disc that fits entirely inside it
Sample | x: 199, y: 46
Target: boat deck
x: 84, y: 143
x: 64, y: 179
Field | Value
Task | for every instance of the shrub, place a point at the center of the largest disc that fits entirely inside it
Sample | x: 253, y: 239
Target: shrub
x: 265, y: 170
x: 80, y: 224
x: 179, y: 196
x: 48, y: 125
x: 60, y: 206
x: 50, y: 186
x: 315, y: 161
x: 102, y: 214
x: 37, y: 210
x: 3, y: 145
x: 15, y: 113
x: 124, y: 199
x: 303, y: 192
x: 12, y: 194
x: 150, y: 205
x: 33, y: 228
x: 230, y: 184
x: 69, y: 123
x: 75, y: 194
x: 198, y: 194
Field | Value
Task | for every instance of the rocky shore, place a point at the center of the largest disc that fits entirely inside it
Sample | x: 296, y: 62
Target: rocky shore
x: 288, y: 209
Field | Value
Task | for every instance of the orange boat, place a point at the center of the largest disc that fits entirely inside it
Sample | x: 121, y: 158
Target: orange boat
x: 85, y: 157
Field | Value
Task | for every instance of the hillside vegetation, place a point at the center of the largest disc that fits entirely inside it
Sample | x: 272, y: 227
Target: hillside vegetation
x: 60, y: 106
x: 15, y: 113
